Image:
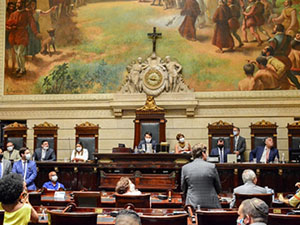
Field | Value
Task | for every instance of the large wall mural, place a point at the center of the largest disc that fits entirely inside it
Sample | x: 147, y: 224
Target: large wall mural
x: 94, y: 46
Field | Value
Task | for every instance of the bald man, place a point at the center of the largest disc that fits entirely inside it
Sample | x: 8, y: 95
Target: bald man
x: 128, y: 217
x: 53, y: 184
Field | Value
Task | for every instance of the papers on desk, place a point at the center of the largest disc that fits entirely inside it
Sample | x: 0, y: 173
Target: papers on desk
x: 59, y: 195
x: 225, y: 199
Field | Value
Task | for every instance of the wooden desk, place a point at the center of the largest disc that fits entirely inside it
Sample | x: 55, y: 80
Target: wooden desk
x: 109, y: 167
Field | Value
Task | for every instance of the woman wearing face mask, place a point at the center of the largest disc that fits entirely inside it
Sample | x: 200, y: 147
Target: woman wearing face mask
x: 79, y: 154
x: 14, y: 201
x: 182, y: 146
x: 126, y: 187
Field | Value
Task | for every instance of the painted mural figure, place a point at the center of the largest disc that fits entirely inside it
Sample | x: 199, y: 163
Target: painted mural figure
x: 191, y: 11
x: 260, y: 17
x: 250, y: 22
x: 222, y: 37
x: 18, y: 36
x: 233, y: 22
x: 34, y: 45
x: 281, y: 43
x: 295, y: 55
x: 288, y: 18
x: 249, y: 83
x: 8, y: 48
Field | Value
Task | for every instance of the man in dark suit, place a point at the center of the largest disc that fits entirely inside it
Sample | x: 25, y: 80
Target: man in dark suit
x: 44, y: 153
x: 146, y: 141
x: 239, y: 144
x: 5, y: 165
x: 200, y: 180
x: 265, y: 154
x: 220, y: 151
x: 27, y: 168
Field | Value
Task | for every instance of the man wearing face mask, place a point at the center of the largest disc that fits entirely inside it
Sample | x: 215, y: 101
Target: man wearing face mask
x: 26, y: 167
x: 5, y: 165
x: 44, y: 153
x: 239, y: 144
x: 11, y: 153
x: 253, y: 211
x: 53, y: 184
x: 147, y: 141
x: 220, y: 151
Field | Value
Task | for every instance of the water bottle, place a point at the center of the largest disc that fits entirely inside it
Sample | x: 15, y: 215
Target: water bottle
x: 282, y: 157
x: 276, y: 160
x: 136, y: 150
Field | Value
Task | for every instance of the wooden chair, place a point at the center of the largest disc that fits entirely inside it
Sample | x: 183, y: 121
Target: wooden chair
x: 87, y: 198
x: 15, y: 133
x: 283, y: 219
x: 150, y: 118
x: 35, y: 198
x: 88, y: 134
x: 139, y: 201
x: 74, y: 218
x: 216, y: 217
x: 45, y: 131
x: 220, y: 129
x: 267, y: 198
x: 294, y: 141
x: 164, y: 220
x: 260, y: 130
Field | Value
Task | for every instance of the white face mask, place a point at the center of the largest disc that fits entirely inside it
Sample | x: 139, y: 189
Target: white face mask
x: 181, y: 140
x: 46, y: 147
x: 235, y: 133
x: 10, y: 148
x: 131, y: 187
x: 148, y: 140
x: 54, y: 178
x: 27, y: 156
x: 78, y: 149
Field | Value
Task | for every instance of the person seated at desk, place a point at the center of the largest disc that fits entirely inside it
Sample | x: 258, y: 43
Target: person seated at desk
x: 264, y: 154
x: 249, y: 186
x: 220, y: 151
x: 126, y: 187
x: 144, y: 144
x: 182, y: 146
x: 14, y: 201
x: 26, y: 168
x: 128, y: 217
x: 53, y: 184
x: 293, y: 201
x: 79, y: 154
x: 5, y: 165
x: 44, y: 153
x: 11, y: 153
x: 253, y: 211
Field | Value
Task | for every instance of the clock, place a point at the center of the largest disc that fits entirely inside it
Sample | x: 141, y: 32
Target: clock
x: 153, y: 78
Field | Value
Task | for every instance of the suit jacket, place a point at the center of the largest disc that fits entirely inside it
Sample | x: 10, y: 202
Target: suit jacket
x: 241, y: 147
x: 258, y: 152
x: 200, y: 184
x: 247, y: 188
x: 215, y: 152
x: 143, y: 142
x: 14, y: 155
x: 50, y: 155
x: 6, y: 167
x: 30, y: 174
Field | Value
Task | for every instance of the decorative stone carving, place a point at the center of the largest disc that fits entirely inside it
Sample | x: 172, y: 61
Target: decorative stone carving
x: 154, y: 76
x: 150, y: 105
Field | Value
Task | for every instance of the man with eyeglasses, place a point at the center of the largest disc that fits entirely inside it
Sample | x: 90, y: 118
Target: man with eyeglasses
x: 200, y: 180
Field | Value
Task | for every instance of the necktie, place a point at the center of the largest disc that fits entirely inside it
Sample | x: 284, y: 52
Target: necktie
x: 0, y: 169
x: 235, y: 143
x: 222, y: 155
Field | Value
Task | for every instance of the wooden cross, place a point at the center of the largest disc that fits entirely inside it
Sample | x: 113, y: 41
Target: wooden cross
x: 154, y: 36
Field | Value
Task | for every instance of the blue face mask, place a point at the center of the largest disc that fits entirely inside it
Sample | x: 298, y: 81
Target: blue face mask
x: 240, y: 221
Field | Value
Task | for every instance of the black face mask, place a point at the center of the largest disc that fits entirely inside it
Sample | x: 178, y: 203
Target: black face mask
x: 263, y: 53
x: 220, y: 146
x: 1, y: 156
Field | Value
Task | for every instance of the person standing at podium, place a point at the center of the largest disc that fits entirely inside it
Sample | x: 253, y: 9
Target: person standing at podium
x: 239, y: 144
x: 147, y: 144
x: 200, y: 180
